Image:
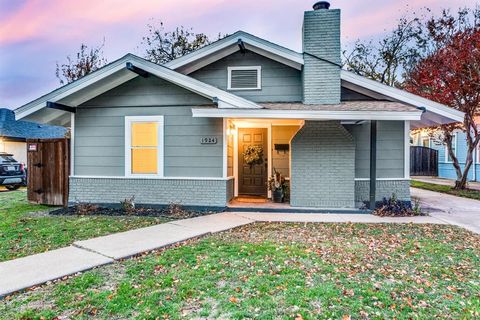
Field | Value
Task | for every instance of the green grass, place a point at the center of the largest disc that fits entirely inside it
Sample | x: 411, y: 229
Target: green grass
x: 23, y: 231
x: 279, y: 271
x: 467, y: 193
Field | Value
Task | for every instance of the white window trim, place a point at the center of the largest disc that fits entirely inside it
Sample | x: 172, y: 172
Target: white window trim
x: 259, y: 77
x: 455, y: 149
x: 128, y: 145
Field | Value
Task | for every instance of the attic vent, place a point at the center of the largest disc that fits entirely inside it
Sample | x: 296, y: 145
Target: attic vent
x: 244, y: 78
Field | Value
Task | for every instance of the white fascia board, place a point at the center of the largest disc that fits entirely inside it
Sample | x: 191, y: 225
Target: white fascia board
x: 403, y: 96
x: 305, y: 114
x: 70, y: 88
x: 232, y: 40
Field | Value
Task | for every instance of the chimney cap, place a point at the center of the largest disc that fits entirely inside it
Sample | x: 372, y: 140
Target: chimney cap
x: 321, y: 5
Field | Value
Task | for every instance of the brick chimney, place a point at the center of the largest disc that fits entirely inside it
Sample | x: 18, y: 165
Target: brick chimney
x: 321, y: 47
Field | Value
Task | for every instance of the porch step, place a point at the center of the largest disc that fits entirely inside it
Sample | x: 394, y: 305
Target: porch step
x: 295, y: 210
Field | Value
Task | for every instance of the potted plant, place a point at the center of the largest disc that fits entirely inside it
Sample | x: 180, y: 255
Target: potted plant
x: 278, y: 185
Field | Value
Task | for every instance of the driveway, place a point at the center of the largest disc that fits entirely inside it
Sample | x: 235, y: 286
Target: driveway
x: 455, y: 210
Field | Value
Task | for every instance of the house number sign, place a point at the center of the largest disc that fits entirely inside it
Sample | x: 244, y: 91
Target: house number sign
x: 208, y: 140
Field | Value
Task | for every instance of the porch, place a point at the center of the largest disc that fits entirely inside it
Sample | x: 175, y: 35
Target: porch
x: 325, y: 164
x: 241, y: 204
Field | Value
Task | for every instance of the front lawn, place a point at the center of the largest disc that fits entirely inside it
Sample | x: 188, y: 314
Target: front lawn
x: 27, y: 229
x: 467, y: 193
x: 270, y: 271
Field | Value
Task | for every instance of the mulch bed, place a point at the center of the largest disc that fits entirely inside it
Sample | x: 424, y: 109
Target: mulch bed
x: 168, y: 212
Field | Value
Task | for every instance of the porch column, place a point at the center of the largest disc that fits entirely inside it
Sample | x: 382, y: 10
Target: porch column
x: 373, y: 163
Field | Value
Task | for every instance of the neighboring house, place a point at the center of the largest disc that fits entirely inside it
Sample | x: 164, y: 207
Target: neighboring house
x: 13, y: 134
x: 445, y: 164
x: 176, y: 132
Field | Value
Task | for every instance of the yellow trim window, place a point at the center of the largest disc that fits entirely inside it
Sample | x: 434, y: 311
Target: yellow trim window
x: 144, y: 141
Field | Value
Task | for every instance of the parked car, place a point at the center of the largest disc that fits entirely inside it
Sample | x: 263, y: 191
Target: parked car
x: 12, y: 173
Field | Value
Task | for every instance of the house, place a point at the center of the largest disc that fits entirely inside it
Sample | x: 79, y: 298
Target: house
x: 177, y: 132
x: 445, y: 163
x: 13, y: 134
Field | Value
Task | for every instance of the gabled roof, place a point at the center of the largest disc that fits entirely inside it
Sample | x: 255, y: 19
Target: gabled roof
x: 116, y: 73
x: 435, y: 113
x: 9, y: 128
x: 228, y: 45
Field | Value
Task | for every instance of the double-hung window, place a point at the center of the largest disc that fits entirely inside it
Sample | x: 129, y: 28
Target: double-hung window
x: 144, y: 146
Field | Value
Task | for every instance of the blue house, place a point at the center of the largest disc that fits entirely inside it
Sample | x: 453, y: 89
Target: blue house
x: 445, y: 164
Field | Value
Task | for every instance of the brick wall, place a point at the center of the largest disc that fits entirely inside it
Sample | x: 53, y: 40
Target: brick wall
x: 211, y: 193
x: 323, y: 166
x: 385, y: 189
x: 321, y: 38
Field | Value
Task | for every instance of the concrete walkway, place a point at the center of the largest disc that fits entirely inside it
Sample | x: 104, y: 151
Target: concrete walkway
x: 33, y: 270
x: 455, y: 210
x: 446, y: 182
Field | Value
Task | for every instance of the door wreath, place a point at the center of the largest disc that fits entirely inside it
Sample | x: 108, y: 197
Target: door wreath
x: 253, y: 155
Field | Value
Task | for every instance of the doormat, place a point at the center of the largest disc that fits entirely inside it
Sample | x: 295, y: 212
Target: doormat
x: 251, y: 200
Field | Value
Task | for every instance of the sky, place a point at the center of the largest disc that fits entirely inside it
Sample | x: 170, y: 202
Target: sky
x: 35, y: 34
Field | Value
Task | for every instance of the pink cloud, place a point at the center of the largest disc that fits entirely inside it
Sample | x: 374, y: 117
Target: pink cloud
x: 66, y: 19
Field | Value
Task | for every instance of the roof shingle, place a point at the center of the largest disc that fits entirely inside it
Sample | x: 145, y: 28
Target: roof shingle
x: 10, y: 128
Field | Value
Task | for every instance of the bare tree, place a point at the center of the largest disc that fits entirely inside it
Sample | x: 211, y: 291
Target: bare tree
x: 387, y: 60
x: 162, y: 46
x: 85, y: 61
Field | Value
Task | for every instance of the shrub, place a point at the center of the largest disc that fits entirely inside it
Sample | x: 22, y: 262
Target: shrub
x: 84, y: 208
x: 392, y: 207
x: 128, y: 205
x: 175, y: 210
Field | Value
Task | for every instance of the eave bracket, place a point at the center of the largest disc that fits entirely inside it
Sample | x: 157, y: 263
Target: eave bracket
x: 59, y: 106
x: 137, y: 70
x: 241, y: 45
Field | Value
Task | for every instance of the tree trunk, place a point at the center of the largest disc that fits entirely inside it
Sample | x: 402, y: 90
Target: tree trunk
x: 461, y: 182
x: 456, y: 165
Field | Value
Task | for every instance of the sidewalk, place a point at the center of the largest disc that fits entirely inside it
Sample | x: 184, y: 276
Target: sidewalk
x: 33, y: 270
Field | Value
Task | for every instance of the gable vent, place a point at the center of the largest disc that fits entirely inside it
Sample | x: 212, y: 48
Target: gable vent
x: 244, y: 78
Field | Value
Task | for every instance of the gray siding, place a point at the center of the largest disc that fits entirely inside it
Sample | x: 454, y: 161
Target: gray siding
x: 100, y: 131
x: 151, y: 91
x: 390, y: 149
x: 280, y: 83
x: 281, y: 159
x: 350, y: 95
x: 323, y: 166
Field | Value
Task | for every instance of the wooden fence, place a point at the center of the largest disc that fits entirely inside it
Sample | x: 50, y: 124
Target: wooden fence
x: 423, y: 161
x: 48, y: 171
